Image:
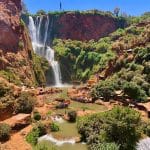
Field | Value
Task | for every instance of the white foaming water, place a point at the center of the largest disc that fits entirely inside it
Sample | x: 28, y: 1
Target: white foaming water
x: 55, y: 141
x: 40, y: 45
x: 57, y: 119
x: 144, y: 144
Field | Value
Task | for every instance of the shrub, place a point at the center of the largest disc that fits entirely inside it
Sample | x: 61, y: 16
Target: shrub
x: 4, y: 89
x: 146, y: 128
x: 41, y: 12
x: 134, y: 91
x: 36, y: 116
x: 121, y: 125
x: 104, y: 146
x: 72, y: 116
x: 102, y: 47
x: 103, y: 89
x: 116, y: 35
x: 4, y: 132
x: 35, y: 133
x: 24, y: 103
x: 54, y: 127
x: 44, y: 146
x: 21, y: 45
x: 132, y: 30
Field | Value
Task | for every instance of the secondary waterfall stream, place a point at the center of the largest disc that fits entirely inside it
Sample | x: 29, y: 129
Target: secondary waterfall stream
x: 40, y: 44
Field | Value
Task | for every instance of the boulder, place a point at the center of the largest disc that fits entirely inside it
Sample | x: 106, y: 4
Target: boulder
x: 99, y: 102
x: 19, y: 121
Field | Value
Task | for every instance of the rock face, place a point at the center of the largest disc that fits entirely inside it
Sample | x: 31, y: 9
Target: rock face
x: 9, y: 24
x: 74, y: 26
x: 15, y: 44
x: 18, y: 121
x: 85, y: 27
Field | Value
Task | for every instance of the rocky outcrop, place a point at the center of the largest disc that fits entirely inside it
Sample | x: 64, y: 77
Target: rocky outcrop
x: 15, y: 45
x: 18, y: 121
x: 85, y: 27
x: 76, y: 26
x: 9, y: 24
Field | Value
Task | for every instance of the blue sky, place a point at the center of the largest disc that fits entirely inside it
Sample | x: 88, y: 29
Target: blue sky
x: 131, y: 7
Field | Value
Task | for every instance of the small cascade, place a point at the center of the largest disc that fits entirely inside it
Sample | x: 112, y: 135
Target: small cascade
x: 40, y: 44
x: 55, y: 141
x: 144, y: 144
x: 57, y: 119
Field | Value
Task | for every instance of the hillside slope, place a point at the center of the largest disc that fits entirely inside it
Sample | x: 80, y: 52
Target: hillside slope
x: 16, y: 53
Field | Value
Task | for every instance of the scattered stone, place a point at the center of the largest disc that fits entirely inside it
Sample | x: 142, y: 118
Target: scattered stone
x: 99, y: 102
x: 77, y: 139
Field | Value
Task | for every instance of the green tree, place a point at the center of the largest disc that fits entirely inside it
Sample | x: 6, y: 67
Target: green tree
x: 4, y: 132
x: 116, y: 11
x: 121, y: 125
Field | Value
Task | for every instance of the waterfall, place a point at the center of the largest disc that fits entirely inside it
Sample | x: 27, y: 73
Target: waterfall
x: 40, y: 44
x: 55, y: 141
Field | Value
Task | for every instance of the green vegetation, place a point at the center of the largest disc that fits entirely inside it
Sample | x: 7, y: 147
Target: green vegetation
x: 10, y: 75
x: 35, y: 133
x: 72, y: 116
x: 54, y: 127
x: 4, y: 132
x: 24, y: 103
x: 21, y: 44
x: 41, y: 12
x: 88, y: 12
x: 79, y: 60
x: 105, y: 89
x: 40, y: 67
x: 146, y: 128
x: 104, y: 146
x: 4, y: 89
x: 19, y: 102
x: 130, y: 72
x: 121, y: 125
x: 36, y: 116
x: 44, y: 146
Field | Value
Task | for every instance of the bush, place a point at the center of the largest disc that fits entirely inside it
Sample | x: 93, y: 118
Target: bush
x: 4, y: 132
x: 35, y: 133
x: 4, y: 89
x: 24, y: 103
x: 72, y: 116
x: 54, y: 127
x: 21, y: 45
x: 146, y: 128
x: 44, y: 146
x: 104, y: 146
x: 36, y: 116
x: 41, y: 12
x: 116, y: 35
x: 134, y: 91
x: 102, y: 47
x: 121, y: 125
x: 103, y: 89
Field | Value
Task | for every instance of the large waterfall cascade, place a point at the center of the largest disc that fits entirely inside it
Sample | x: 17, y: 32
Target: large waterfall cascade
x: 40, y: 44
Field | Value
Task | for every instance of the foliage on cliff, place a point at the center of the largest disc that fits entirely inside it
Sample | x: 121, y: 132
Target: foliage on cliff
x: 79, y: 60
x: 40, y: 67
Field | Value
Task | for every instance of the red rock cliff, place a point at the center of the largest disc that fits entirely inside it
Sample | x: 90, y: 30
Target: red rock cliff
x: 85, y: 26
x: 15, y: 45
x: 9, y: 24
